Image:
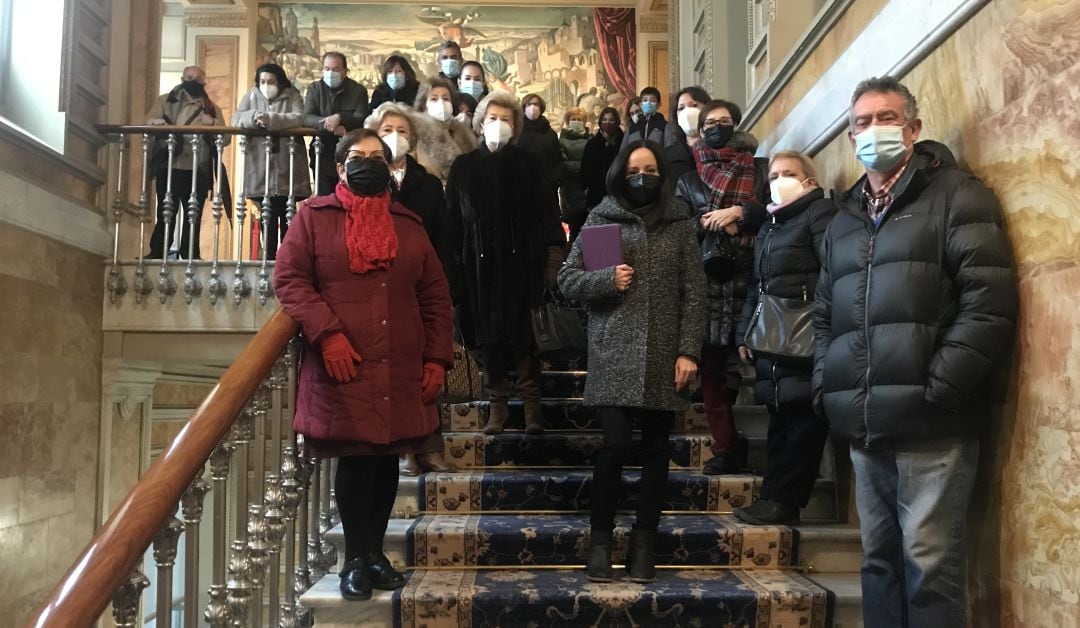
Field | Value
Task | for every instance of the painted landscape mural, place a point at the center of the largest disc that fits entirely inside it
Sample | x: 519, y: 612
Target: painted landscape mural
x: 570, y: 56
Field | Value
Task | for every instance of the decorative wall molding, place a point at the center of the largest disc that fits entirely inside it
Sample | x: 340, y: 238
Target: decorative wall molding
x: 652, y: 23
x: 31, y: 207
x: 823, y: 23
x: 822, y: 113
x: 217, y: 20
x: 673, y: 42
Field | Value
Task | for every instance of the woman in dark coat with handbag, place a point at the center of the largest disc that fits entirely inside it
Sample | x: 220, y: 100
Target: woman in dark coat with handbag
x: 787, y: 261
x: 646, y: 322
x: 506, y: 242
x: 726, y: 191
x: 358, y: 273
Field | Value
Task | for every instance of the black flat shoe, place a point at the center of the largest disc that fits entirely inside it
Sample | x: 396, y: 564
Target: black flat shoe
x: 599, y: 566
x: 768, y: 512
x: 356, y: 580
x: 720, y: 464
x: 383, y: 575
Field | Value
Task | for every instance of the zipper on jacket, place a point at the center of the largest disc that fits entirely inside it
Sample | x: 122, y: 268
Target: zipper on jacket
x: 776, y: 386
x: 866, y: 333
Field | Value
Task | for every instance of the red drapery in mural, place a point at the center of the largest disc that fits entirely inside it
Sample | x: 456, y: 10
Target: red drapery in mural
x: 615, y: 32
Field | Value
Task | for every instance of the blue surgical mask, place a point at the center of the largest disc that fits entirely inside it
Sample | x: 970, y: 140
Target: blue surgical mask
x: 881, y: 148
x: 332, y: 78
x: 648, y: 107
x: 450, y: 67
x: 395, y: 81
x: 472, y: 88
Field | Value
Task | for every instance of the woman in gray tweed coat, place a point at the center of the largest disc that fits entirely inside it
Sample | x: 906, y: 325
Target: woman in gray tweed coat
x: 646, y: 327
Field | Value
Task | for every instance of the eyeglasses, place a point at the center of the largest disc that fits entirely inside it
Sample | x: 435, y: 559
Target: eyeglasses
x: 359, y: 155
x: 711, y: 122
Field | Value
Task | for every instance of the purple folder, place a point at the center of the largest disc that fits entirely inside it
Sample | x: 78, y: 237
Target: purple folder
x: 601, y: 246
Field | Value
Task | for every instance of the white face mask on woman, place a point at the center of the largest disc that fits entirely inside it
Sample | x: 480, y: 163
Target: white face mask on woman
x: 532, y: 112
x: 688, y: 120
x: 441, y: 110
x: 399, y: 146
x: 269, y: 91
x: 786, y: 189
x: 497, y: 134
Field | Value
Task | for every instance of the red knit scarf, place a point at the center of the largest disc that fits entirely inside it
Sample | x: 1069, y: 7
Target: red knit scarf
x: 370, y: 238
x: 727, y: 172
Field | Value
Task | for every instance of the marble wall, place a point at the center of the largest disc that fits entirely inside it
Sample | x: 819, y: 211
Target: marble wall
x: 50, y: 366
x: 1002, y: 93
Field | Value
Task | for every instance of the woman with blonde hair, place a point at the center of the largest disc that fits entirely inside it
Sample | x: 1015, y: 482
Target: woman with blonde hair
x: 573, y: 137
x: 441, y: 137
x: 787, y: 260
x: 505, y: 246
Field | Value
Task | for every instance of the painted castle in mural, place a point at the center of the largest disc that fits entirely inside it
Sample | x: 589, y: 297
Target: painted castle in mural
x: 551, y: 51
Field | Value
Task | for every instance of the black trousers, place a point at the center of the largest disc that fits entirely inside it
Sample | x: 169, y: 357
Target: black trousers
x: 274, y: 230
x: 796, y: 440
x: 655, y: 452
x: 365, y: 487
x: 181, y: 193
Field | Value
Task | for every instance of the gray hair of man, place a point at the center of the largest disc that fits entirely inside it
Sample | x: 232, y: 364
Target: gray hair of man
x: 375, y: 120
x: 193, y: 68
x: 884, y: 85
x: 501, y: 98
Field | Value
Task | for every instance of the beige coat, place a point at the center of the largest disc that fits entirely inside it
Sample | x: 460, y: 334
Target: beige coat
x: 440, y: 143
x: 177, y: 108
x: 286, y: 112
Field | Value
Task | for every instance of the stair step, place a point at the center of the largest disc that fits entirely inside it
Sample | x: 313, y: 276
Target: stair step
x: 562, y: 490
x: 520, y: 598
x: 573, y: 414
x: 467, y: 450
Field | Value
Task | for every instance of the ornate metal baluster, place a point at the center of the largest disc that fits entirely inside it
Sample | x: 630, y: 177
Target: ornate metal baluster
x: 117, y: 285
x: 216, y: 287
x: 192, y: 285
x: 303, y: 476
x: 216, y: 613
x: 290, y: 205
x: 140, y: 284
x: 243, y: 436
x: 165, y: 556
x: 166, y: 285
x: 265, y: 289
x: 316, y: 145
x: 315, y: 544
x: 258, y: 552
x: 125, y: 601
x: 241, y: 286
x: 240, y: 585
x: 279, y: 378
x: 290, y: 489
x: 328, y: 514
x: 191, y: 504
x: 275, y: 530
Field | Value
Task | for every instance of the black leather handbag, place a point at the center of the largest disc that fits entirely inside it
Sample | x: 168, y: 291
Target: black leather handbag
x: 782, y: 330
x: 557, y: 330
x: 718, y: 253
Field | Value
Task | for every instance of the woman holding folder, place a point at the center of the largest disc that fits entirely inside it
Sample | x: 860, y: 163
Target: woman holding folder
x: 637, y: 269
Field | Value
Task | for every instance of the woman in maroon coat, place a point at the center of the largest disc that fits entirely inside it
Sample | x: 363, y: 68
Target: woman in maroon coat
x: 358, y: 272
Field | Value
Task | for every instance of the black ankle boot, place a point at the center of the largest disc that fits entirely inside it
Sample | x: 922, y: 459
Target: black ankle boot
x: 356, y: 579
x: 599, y: 566
x: 383, y: 575
x: 641, y: 557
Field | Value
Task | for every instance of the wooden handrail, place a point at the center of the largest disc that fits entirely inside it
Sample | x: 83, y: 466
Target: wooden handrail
x: 165, y: 129
x: 86, y: 589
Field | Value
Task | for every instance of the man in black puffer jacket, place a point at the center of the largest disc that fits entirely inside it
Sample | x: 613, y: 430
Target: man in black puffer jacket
x: 916, y: 306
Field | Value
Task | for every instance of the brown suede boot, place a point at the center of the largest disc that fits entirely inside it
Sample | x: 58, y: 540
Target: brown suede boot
x: 497, y: 413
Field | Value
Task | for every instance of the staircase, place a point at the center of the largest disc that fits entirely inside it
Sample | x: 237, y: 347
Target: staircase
x: 502, y: 542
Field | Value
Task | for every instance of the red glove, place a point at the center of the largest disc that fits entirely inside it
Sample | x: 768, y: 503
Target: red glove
x: 339, y: 358
x: 432, y: 382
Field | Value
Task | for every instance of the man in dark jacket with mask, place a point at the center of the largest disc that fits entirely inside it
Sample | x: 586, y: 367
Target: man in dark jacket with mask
x: 916, y: 306
x: 334, y: 105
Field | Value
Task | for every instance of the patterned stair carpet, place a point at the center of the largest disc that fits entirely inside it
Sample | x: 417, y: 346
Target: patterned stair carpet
x: 531, y: 599
x: 571, y: 490
x: 563, y: 540
x: 563, y: 414
x: 557, y: 449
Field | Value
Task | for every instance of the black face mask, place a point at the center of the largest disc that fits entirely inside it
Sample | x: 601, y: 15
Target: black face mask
x: 642, y: 189
x: 367, y: 177
x: 718, y: 136
x: 194, y: 88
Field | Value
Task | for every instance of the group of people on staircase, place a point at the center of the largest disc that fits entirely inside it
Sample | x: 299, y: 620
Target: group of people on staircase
x: 441, y: 213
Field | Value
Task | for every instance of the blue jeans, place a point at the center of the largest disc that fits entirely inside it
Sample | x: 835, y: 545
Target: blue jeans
x: 912, y: 500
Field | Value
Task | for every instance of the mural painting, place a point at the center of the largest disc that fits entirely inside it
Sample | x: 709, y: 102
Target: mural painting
x: 570, y: 56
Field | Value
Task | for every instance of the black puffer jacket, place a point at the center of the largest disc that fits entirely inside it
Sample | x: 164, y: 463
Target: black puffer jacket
x: 787, y: 256
x: 913, y: 315
x: 599, y: 155
x: 406, y: 95
x: 538, y: 138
